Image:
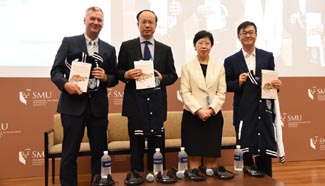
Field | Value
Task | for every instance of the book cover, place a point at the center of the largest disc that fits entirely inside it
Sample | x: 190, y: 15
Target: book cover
x: 268, y: 91
x: 147, y: 79
x: 79, y: 74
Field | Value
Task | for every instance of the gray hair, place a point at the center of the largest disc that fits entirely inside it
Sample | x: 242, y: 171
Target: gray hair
x: 94, y: 9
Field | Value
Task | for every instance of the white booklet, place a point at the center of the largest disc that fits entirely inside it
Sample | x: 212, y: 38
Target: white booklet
x: 268, y: 91
x: 79, y: 74
x: 147, y: 79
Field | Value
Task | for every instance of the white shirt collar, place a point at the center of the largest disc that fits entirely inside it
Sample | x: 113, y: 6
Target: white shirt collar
x: 248, y: 55
x: 152, y: 40
x: 88, y: 39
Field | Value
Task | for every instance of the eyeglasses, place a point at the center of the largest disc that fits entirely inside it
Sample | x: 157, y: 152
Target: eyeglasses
x: 250, y: 33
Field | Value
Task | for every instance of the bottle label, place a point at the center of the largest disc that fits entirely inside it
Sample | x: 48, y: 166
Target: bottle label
x: 183, y: 159
x: 106, y: 163
x: 157, y: 160
x: 237, y: 158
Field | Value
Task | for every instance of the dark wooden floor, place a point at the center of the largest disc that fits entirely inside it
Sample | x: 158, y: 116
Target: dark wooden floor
x: 302, y: 173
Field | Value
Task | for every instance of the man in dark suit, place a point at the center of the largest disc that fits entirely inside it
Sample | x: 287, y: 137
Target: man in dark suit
x: 253, y: 116
x: 84, y: 109
x: 146, y: 109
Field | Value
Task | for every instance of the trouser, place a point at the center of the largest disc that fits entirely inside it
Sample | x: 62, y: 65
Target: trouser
x: 137, y: 149
x: 262, y: 162
x: 73, y: 127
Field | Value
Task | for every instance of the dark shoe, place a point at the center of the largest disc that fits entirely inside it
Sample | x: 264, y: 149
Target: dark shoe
x: 168, y: 179
x: 194, y: 175
x: 223, y: 174
x: 133, y: 178
x: 98, y: 181
x: 253, y: 171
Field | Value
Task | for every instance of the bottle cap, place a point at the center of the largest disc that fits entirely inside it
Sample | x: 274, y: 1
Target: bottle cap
x: 182, y: 148
x: 237, y: 146
x: 157, y: 149
x: 105, y: 152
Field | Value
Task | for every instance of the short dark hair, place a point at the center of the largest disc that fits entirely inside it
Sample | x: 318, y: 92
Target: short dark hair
x: 202, y: 34
x: 147, y: 10
x: 244, y: 25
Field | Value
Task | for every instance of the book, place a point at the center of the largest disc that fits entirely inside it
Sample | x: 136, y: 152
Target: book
x: 268, y: 91
x: 79, y: 74
x: 147, y: 79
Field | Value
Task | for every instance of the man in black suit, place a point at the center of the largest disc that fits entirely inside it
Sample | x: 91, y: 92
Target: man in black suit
x: 84, y: 109
x: 253, y: 116
x: 146, y: 109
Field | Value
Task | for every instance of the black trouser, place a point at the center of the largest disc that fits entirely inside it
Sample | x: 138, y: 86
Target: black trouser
x: 262, y: 162
x: 137, y: 149
x: 73, y: 127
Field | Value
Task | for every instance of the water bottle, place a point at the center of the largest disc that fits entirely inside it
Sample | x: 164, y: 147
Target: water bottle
x: 182, y: 160
x: 105, y: 165
x: 157, y: 162
x: 238, y: 159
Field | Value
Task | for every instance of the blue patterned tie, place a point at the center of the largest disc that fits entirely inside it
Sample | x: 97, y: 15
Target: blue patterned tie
x: 146, y: 52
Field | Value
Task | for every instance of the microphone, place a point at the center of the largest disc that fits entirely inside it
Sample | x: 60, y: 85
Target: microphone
x: 180, y: 174
x: 208, y: 172
x: 150, y: 177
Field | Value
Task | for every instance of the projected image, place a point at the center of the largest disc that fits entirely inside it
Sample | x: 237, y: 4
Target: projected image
x: 33, y: 30
x: 292, y: 30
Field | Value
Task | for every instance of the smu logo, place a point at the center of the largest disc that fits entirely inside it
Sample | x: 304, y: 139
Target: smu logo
x: 5, y: 129
x: 317, y: 143
x: 23, y: 155
x: 29, y: 156
x: 294, y: 120
x: 24, y: 95
x: 35, y: 98
x: 315, y: 93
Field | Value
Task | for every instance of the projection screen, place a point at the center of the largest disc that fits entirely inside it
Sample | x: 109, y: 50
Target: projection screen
x: 32, y: 30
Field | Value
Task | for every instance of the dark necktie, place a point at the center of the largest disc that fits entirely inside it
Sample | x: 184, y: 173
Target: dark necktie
x: 146, y: 52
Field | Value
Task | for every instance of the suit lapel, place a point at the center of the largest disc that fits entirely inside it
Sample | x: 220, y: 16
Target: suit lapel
x: 82, y: 43
x: 136, y: 47
x: 135, y: 51
x: 199, y: 74
x: 242, y: 62
x: 157, y: 55
x: 211, y: 73
x: 100, y: 48
x: 259, y: 61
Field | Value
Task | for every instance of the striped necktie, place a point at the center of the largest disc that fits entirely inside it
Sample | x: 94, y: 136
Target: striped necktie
x: 91, y: 49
